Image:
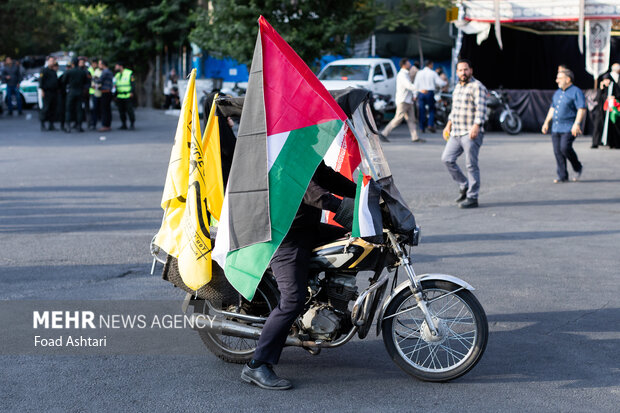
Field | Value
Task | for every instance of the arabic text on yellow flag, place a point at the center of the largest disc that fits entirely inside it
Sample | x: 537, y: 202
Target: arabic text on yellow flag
x: 184, y: 232
x: 213, y: 164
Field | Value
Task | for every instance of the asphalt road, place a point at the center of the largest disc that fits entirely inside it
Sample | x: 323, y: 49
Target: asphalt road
x: 77, y: 213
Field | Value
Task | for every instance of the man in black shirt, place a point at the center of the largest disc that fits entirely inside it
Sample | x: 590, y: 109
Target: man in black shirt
x: 48, y: 82
x: 76, y: 79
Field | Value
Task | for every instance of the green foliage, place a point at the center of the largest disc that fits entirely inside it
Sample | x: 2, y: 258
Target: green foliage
x: 132, y: 32
x: 409, y: 13
x: 311, y: 27
x: 31, y: 27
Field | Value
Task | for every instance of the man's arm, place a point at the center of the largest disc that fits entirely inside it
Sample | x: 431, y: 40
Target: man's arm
x: 480, y: 103
x: 580, y: 103
x: 334, y: 182
x: 576, y: 129
x: 545, y: 126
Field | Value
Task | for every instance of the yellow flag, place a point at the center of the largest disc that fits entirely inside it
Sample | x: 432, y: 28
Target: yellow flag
x: 213, y: 164
x: 185, y: 231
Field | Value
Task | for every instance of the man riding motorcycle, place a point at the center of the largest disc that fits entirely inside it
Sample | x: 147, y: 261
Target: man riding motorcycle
x: 290, y: 269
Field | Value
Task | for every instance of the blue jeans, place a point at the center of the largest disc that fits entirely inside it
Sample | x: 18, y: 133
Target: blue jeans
x: 10, y: 91
x: 563, y: 150
x: 424, y: 99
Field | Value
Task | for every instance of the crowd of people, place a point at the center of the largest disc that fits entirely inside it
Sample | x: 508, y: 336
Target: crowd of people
x: 83, y: 93
x: 415, y: 85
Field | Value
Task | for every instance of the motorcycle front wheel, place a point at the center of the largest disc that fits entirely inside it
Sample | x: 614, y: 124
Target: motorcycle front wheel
x: 512, y: 124
x: 462, y: 332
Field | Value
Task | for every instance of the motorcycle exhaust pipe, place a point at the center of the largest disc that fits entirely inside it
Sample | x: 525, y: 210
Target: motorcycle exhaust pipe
x: 202, y: 322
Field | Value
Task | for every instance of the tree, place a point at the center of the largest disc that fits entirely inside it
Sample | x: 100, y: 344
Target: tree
x: 135, y: 33
x: 409, y: 14
x: 31, y: 27
x: 311, y: 27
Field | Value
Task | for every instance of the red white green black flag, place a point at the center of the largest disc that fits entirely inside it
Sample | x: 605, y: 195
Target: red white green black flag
x: 288, y: 124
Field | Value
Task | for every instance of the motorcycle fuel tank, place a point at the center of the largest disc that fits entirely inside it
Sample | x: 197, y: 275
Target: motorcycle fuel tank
x: 349, y: 254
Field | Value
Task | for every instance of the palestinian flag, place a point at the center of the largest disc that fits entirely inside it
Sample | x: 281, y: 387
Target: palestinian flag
x: 288, y: 124
x: 367, y: 222
x: 613, y: 107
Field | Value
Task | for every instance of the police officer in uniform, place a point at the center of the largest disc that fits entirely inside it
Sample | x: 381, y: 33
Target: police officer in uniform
x: 48, y: 82
x: 75, y: 79
x: 94, y: 94
x: 124, y: 81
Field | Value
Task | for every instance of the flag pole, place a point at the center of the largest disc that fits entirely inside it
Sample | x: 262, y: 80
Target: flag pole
x: 373, y: 173
x: 155, y: 255
x: 606, y: 124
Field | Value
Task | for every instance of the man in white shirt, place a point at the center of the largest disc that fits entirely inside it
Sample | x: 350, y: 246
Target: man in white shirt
x: 404, y: 102
x: 426, y: 81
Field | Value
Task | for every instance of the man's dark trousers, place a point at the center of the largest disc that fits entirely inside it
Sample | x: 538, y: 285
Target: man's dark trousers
x: 290, y: 268
x: 48, y: 111
x: 95, y: 111
x: 563, y: 150
x: 125, y: 108
x: 424, y: 99
x: 74, y: 106
x: 106, y: 109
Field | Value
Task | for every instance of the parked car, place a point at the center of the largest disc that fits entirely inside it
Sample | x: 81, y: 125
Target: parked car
x: 374, y: 74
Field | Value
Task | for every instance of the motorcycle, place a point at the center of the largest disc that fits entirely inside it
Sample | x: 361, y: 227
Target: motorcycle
x: 500, y: 112
x: 432, y: 325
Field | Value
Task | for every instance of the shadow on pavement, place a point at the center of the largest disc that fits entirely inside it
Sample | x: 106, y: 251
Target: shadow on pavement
x: 510, y: 236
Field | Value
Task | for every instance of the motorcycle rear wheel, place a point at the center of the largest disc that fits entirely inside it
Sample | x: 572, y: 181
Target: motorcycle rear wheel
x: 239, y: 350
x: 462, y: 327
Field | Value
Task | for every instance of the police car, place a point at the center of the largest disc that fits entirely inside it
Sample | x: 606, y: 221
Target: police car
x: 27, y: 90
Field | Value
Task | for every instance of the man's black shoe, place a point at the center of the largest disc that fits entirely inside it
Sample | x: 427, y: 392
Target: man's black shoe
x: 43, y: 128
x: 431, y: 129
x: 131, y: 127
x: 67, y: 129
x: 51, y: 127
x: 124, y: 127
x: 462, y: 195
x: 264, y: 377
x: 80, y: 129
x: 469, y: 203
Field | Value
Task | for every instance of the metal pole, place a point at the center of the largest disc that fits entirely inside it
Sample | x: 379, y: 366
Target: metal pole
x: 606, y: 124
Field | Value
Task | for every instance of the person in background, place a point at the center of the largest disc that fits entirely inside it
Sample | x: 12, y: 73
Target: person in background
x: 48, y: 83
x: 76, y: 80
x: 444, y: 77
x: 415, y: 68
x: 105, y: 82
x: 464, y: 133
x: 171, y: 91
x: 94, y: 94
x: 610, y: 86
x: 404, y: 103
x: 61, y: 97
x: 567, y: 111
x: 12, y: 75
x: 124, y: 82
x: 426, y: 81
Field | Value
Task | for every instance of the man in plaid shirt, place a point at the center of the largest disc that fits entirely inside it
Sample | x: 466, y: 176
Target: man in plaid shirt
x: 464, y: 132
